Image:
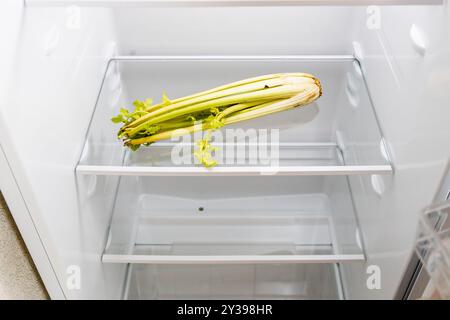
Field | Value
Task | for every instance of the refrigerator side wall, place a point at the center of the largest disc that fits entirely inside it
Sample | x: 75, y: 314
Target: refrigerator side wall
x: 405, y: 55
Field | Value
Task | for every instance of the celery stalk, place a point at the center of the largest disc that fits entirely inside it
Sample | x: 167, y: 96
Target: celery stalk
x: 211, y: 109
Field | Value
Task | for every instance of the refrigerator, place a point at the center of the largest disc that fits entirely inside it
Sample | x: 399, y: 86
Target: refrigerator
x: 349, y: 202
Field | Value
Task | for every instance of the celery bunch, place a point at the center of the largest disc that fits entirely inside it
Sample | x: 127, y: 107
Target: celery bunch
x: 214, y: 108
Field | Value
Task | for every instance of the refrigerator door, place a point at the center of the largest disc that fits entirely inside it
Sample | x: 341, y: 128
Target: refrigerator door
x: 11, y: 12
x: 54, y: 66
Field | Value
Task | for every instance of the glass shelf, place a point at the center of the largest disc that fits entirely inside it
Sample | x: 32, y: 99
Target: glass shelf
x: 337, y: 135
x: 232, y: 220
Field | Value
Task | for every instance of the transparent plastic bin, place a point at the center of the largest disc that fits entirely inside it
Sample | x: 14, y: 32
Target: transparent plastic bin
x: 433, y: 246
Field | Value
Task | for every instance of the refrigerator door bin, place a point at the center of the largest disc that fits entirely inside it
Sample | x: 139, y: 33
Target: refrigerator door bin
x: 337, y: 135
x: 433, y: 246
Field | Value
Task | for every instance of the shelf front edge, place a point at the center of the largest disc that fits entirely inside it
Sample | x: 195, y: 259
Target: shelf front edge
x: 232, y: 171
x: 155, y: 259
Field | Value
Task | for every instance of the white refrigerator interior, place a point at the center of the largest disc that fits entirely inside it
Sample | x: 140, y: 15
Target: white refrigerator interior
x: 355, y: 171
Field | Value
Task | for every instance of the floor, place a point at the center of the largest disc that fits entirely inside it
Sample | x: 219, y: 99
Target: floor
x: 18, y: 276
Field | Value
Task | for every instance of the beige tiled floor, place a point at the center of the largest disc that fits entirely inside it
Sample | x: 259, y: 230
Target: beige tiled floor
x: 18, y: 276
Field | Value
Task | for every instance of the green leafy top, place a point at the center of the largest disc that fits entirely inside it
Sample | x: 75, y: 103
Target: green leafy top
x: 126, y: 117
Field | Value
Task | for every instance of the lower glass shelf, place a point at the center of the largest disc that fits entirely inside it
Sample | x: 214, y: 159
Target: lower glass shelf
x: 231, y: 220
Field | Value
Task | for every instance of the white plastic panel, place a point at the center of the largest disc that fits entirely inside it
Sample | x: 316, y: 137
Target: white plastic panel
x: 235, y: 30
